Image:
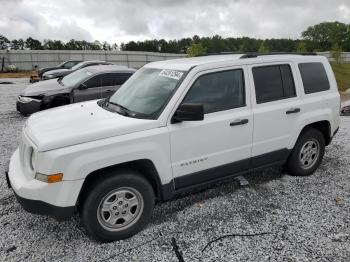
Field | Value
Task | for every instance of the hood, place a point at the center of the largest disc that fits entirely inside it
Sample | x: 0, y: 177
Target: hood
x: 79, y: 123
x: 45, y: 69
x: 43, y: 88
x: 57, y: 71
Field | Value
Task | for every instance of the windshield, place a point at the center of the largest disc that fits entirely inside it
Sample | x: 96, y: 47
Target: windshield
x: 146, y: 92
x: 76, y: 77
x: 77, y: 66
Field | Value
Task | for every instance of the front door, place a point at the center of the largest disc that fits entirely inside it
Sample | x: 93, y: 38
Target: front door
x: 91, y: 90
x: 221, y: 144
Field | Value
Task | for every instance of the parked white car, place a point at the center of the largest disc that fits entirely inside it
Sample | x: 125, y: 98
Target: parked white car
x: 174, y: 126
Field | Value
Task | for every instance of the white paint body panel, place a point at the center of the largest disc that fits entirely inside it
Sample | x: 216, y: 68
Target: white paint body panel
x: 81, y: 138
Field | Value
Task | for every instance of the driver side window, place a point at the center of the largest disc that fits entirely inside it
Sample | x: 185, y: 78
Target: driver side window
x: 93, y: 82
x: 218, y: 91
x: 68, y: 65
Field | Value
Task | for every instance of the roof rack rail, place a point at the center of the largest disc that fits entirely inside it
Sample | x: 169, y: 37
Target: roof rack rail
x: 254, y: 55
x: 221, y: 53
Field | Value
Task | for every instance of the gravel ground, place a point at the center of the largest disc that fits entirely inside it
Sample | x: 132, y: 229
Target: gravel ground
x: 298, y: 218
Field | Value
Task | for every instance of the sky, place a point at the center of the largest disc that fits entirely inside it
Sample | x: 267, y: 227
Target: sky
x: 117, y: 21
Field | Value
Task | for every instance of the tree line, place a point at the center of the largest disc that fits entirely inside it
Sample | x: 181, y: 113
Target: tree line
x: 321, y: 37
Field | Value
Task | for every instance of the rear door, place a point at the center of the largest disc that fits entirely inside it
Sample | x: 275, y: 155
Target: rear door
x: 92, y: 90
x: 276, y: 109
x: 111, y: 82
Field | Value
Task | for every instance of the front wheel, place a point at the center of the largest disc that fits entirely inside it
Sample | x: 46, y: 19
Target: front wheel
x: 307, y: 153
x: 118, y: 206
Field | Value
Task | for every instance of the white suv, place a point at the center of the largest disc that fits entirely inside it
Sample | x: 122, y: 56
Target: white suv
x: 174, y: 126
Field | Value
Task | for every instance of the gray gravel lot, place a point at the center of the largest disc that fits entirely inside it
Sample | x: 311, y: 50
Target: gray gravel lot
x: 306, y: 218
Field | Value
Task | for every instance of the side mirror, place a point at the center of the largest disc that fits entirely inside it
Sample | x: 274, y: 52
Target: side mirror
x: 82, y: 87
x: 188, y: 112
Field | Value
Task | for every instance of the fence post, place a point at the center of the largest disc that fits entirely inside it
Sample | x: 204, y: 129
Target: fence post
x: 2, y: 63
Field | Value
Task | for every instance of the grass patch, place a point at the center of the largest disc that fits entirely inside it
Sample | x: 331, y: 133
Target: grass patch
x: 15, y: 74
x: 342, y: 74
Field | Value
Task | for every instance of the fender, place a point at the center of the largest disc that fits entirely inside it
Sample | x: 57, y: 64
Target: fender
x: 78, y: 161
x: 310, y: 118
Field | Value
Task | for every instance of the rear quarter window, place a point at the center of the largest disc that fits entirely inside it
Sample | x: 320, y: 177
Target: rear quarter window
x: 314, y: 77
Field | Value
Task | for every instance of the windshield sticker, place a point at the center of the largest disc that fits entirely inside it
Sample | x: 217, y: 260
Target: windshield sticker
x: 171, y: 74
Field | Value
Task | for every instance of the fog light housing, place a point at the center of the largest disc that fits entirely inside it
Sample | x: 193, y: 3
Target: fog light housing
x: 54, y: 178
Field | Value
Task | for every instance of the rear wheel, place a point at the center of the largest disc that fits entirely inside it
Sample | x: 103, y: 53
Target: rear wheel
x: 307, y: 154
x: 118, y: 206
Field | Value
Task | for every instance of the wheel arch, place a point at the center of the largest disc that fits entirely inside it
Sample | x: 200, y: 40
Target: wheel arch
x: 144, y: 166
x: 323, y: 126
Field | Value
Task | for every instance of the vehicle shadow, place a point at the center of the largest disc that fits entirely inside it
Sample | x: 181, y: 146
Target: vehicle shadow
x: 167, y: 210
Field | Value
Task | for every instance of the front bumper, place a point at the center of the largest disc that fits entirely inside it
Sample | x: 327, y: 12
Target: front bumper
x: 42, y: 208
x: 56, y: 200
x: 28, y: 107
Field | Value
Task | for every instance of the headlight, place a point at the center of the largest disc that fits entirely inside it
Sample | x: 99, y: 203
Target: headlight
x: 25, y: 99
x: 48, y: 76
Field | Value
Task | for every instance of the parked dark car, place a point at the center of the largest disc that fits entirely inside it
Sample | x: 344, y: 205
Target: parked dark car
x: 64, y: 71
x: 89, y: 83
x: 65, y: 65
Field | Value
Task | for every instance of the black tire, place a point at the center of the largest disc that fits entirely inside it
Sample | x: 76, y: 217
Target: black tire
x: 295, y: 165
x: 90, y: 210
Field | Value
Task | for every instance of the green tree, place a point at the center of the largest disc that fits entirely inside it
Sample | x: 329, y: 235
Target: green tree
x: 106, y: 46
x: 327, y: 34
x: 21, y: 44
x: 53, y: 45
x: 196, y: 50
x: 33, y: 44
x: 115, y: 47
x: 336, y: 53
x: 14, y: 44
x: 263, y: 48
x: 3, y: 42
x: 301, y: 47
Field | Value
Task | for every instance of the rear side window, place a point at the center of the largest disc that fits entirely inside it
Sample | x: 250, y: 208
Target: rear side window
x: 108, y: 79
x: 114, y: 79
x: 218, y: 91
x: 273, y: 83
x: 122, y: 77
x: 93, y: 82
x: 314, y: 77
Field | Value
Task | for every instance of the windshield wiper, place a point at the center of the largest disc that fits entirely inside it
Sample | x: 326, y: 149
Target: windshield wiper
x: 123, y: 110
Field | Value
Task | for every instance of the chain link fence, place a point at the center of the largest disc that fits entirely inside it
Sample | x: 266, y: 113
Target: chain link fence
x: 27, y: 59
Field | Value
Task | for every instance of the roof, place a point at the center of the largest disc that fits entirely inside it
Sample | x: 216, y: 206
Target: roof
x: 109, y: 68
x: 92, y: 61
x: 184, y: 64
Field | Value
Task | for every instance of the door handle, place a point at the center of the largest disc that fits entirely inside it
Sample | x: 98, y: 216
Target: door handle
x: 293, y: 111
x: 239, y: 122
